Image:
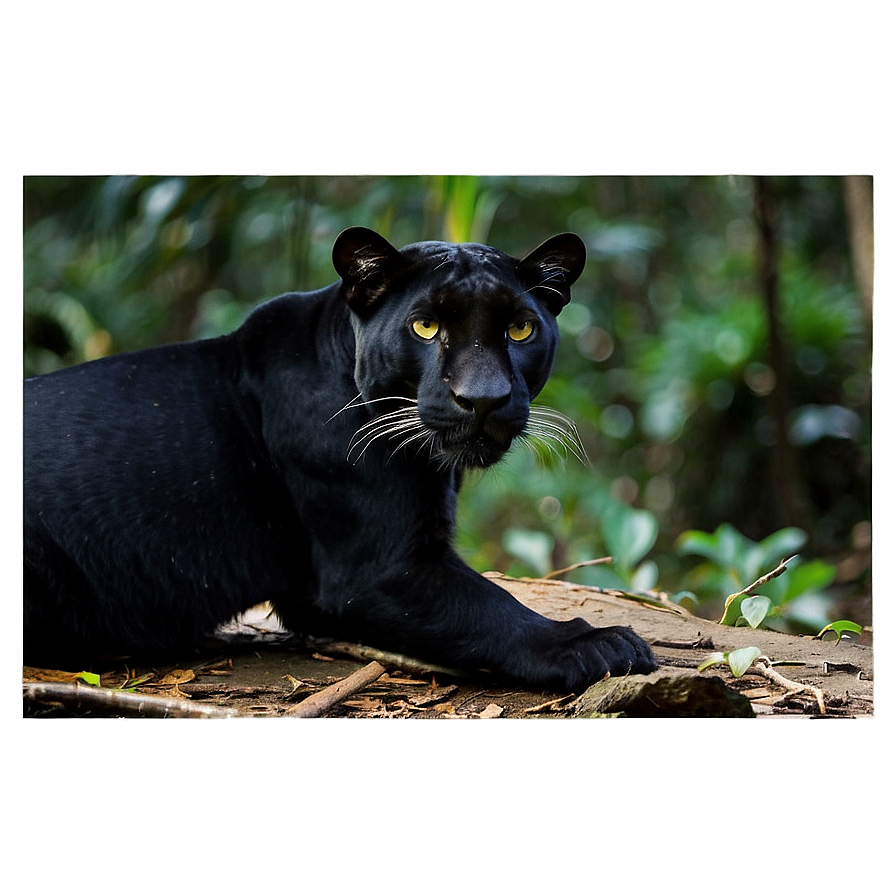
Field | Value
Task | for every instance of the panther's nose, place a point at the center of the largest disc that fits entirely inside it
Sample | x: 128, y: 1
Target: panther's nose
x: 481, y: 397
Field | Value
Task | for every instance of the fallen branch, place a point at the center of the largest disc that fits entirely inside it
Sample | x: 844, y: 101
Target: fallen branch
x: 780, y: 569
x: 386, y: 658
x: 763, y: 666
x: 560, y: 572
x: 702, y: 643
x: 558, y: 704
x: 317, y: 704
x: 79, y: 698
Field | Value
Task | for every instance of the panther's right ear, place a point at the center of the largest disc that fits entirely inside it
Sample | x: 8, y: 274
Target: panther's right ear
x: 551, y: 269
x: 366, y: 262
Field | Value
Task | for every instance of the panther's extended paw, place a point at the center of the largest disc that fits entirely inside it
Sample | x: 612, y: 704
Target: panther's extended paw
x: 624, y: 652
x: 587, y: 654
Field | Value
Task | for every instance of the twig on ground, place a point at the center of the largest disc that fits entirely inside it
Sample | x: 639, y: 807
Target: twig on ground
x: 702, y: 643
x: 764, y: 667
x: 79, y: 698
x: 780, y: 569
x: 777, y: 571
x: 560, y: 572
x: 558, y: 704
x: 317, y: 704
x: 396, y: 660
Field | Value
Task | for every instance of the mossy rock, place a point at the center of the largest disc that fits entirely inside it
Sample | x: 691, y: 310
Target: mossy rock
x: 661, y: 695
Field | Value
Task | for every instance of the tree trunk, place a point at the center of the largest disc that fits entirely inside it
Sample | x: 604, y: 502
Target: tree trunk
x: 785, y: 484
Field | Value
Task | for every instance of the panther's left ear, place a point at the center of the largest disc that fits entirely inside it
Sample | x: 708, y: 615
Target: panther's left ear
x: 366, y: 262
x: 550, y: 270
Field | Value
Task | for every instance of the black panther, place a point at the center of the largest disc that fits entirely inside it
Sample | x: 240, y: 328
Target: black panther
x: 311, y: 459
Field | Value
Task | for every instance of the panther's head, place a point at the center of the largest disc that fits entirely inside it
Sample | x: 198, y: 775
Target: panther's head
x: 453, y: 341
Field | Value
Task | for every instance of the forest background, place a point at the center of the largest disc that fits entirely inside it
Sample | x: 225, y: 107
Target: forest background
x: 716, y: 356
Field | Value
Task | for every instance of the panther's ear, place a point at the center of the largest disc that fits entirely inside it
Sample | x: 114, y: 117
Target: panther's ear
x: 550, y: 270
x: 366, y: 262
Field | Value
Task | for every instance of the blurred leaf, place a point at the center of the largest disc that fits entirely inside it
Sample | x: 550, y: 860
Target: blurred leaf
x: 629, y: 534
x: 800, y: 579
x: 687, y: 599
x: 725, y: 547
x: 777, y: 547
x: 533, y: 548
x: 159, y: 200
x: 694, y: 542
x: 813, y: 422
x: 645, y: 577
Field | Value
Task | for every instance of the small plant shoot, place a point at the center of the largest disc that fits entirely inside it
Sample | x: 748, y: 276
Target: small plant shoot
x: 738, y: 660
x: 841, y: 627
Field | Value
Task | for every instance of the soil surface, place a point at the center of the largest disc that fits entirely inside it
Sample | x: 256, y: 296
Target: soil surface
x: 252, y: 667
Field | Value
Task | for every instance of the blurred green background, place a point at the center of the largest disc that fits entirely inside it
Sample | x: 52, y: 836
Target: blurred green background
x: 716, y: 356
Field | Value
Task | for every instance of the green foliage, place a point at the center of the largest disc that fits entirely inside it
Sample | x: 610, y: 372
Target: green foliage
x: 840, y: 628
x: 738, y: 660
x: 468, y: 207
x: 733, y: 562
x: 561, y: 513
x: 532, y: 548
x: 755, y: 609
x: 628, y: 535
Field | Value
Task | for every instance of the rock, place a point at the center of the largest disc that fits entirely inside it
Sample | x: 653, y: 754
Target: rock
x: 663, y: 695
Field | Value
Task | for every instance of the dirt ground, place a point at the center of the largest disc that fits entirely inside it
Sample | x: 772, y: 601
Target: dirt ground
x: 254, y: 668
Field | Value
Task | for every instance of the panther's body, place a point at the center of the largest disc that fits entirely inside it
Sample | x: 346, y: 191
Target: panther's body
x: 312, y: 459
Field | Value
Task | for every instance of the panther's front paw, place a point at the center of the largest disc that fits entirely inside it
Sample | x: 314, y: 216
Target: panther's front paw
x: 626, y: 653
x: 592, y: 654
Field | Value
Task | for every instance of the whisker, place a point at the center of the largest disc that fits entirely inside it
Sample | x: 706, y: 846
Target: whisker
x: 538, y: 445
x: 398, y: 416
x: 366, y: 440
x: 549, y: 289
x: 568, y: 444
x: 549, y: 427
x: 550, y: 441
x: 547, y: 430
x: 422, y: 434
x: 379, y: 426
x: 384, y: 428
x: 542, y: 410
x: 403, y: 422
x: 382, y: 432
x: 350, y: 404
x: 354, y: 403
x: 550, y: 275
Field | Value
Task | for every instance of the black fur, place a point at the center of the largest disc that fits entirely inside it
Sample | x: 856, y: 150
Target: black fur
x: 167, y: 490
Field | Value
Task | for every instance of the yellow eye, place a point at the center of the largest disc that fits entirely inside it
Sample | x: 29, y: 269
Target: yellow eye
x: 425, y: 329
x: 521, y: 331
